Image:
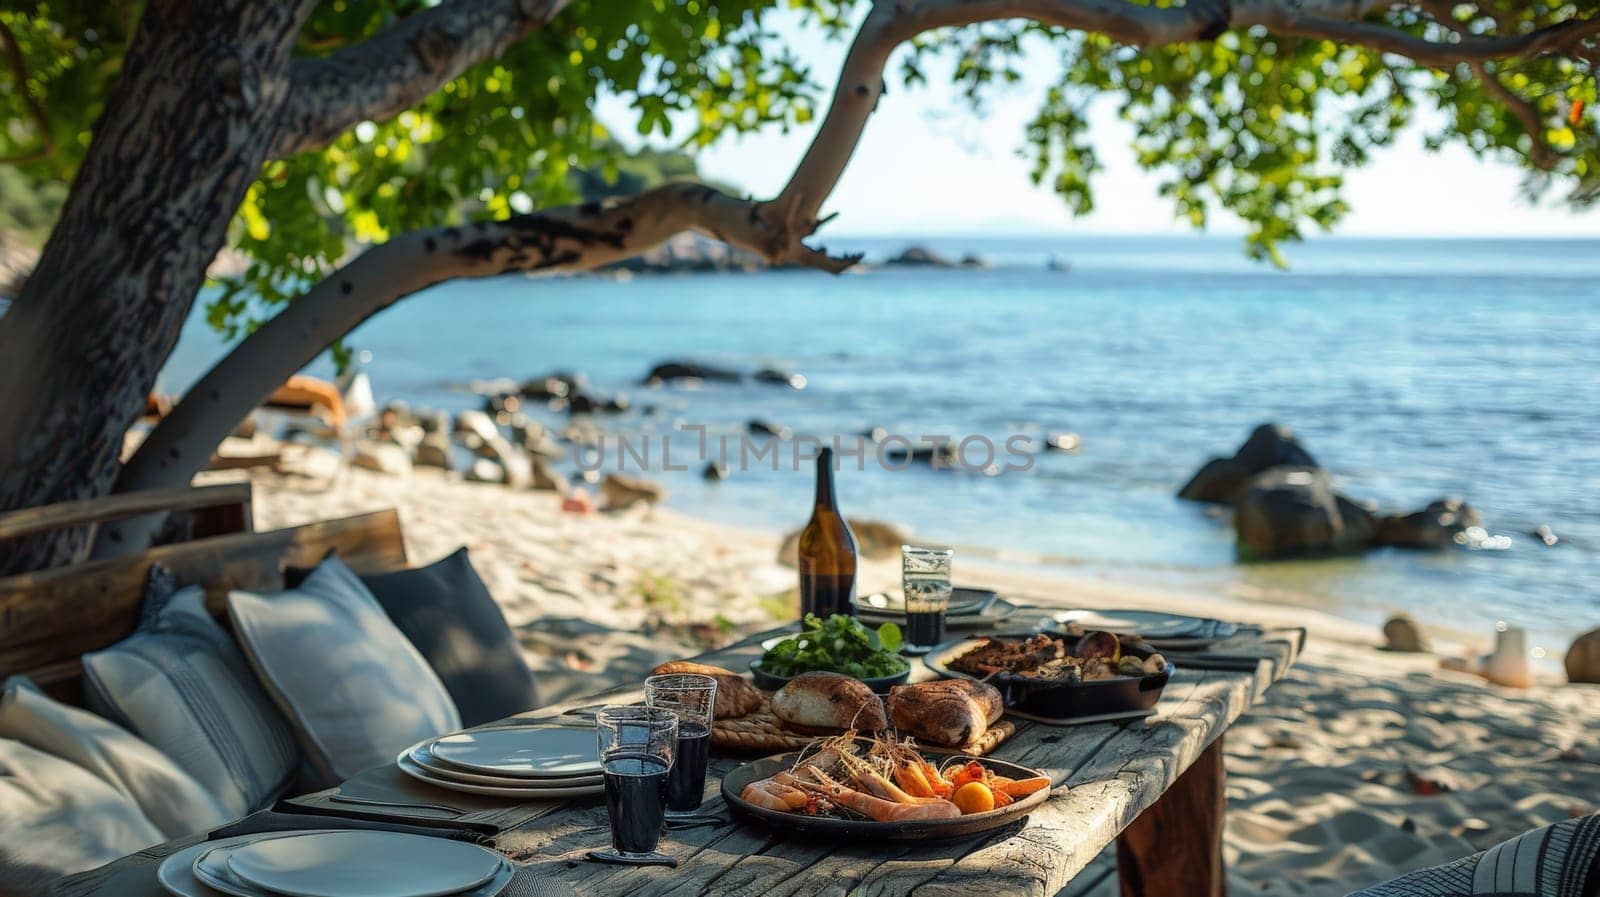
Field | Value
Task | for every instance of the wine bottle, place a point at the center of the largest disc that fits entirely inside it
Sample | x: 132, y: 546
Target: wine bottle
x: 827, y: 551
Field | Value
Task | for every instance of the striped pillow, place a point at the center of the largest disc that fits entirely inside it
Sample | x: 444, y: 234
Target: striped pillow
x: 180, y: 683
x: 1561, y: 860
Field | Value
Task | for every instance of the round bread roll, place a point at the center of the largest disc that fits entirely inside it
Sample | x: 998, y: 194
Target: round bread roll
x: 828, y: 702
x: 950, y: 712
x: 736, y: 696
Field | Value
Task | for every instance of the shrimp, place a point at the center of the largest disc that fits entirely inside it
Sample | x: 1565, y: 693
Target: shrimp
x: 770, y: 794
x: 876, y: 808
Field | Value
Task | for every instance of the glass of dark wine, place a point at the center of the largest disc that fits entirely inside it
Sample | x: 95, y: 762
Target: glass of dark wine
x: 637, y: 746
x: 925, y: 579
x: 692, y: 699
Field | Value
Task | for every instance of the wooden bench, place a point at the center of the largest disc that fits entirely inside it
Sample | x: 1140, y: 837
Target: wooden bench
x: 49, y: 619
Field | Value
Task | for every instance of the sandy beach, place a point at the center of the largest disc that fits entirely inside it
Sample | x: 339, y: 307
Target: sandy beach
x: 1359, y: 766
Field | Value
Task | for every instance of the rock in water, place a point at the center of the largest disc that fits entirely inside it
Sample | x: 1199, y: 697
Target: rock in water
x: 1402, y: 633
x: 1436, y: 526
x: 383, y: 457
x: 920, y: 257
x: 557, y: 385
x: 1583, y: 658
x: 1063, y: 442
x: 622, y: 491
x: 1545, y: 534
x: 668, y: 371
x: 1221, y: 479
x: 780, y: 378
x: 1294, y: 512
x: 759, y: 427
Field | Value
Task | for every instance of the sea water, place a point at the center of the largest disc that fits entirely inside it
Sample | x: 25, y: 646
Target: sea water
x: 1410, y: 369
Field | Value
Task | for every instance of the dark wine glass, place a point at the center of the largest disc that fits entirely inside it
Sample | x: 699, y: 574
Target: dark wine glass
x: 637, y: 745
x: 693, y: 699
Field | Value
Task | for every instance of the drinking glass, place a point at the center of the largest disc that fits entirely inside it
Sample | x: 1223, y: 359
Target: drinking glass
x: 692, y: 699
x: 925, y: 578
x: 636, y: 751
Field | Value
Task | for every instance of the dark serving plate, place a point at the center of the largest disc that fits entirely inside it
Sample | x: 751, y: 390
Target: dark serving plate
x: 768, y: 682
x: 865, y: 829
x: 1058, y: 701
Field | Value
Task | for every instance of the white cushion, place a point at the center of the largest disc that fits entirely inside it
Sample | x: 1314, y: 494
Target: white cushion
x: 354, y: 688
x: 180, y: 683
x: 169, y: 797
x: 57, y: 818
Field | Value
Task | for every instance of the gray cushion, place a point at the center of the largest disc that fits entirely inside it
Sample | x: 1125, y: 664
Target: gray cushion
x: 169, y: 797
x: 180, y: 683
x: 57, y: 818
x: 446, y: 611
x: 354, y: 689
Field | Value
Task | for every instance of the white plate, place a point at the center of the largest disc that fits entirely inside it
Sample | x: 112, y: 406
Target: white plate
x: 1143, y: 623
x: 532, y: 790
x: 525, y: 752
x: 202, y: 871
x: 421, y: 754
x: 361, y: 864
x: 176, y: 872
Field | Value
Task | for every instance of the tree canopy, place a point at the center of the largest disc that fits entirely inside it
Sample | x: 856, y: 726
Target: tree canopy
x: 1253, y: 122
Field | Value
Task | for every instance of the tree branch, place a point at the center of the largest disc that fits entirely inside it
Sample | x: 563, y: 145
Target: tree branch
x: 19, y: 69
x: 1540, y: 153
x: 574, y: 238
x: 396, y: 69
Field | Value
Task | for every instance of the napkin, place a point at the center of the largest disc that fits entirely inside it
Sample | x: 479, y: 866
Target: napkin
x: 287, y: 817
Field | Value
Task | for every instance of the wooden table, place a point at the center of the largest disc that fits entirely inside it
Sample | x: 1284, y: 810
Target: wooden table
x: 1155, y: 788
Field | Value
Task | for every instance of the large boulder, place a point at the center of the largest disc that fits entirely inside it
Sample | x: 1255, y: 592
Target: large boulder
x: 1583, y: 658
x: 383, y: 457
x: 1294, y: 512
x: 622, y: 491
x: 1436, y: 526
x: 1221, y: 479
x: 668, y: 371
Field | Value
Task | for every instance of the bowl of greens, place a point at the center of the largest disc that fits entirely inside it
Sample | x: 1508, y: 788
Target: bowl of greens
x: 839, y: 644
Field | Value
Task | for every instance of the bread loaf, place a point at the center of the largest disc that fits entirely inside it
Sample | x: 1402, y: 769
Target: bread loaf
x: 736, y: 696
x: 828, y: 702
x: 949, y: 712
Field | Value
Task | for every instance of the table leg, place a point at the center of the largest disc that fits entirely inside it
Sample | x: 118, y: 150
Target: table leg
x: 1175, y: 846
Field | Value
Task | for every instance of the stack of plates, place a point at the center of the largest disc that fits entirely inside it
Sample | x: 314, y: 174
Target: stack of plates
x: 348, y: 863
x: 525, y: 762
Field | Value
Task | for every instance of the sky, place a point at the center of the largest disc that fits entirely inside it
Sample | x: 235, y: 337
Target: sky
x: 928, y: 165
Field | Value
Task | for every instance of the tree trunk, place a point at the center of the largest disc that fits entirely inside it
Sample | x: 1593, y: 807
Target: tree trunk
x: 184, y: 133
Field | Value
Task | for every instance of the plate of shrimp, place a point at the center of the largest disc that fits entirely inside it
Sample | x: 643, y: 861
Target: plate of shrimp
x: 881, y: 788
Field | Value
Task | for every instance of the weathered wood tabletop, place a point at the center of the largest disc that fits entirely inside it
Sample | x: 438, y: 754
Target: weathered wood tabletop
x: 1154, y: 787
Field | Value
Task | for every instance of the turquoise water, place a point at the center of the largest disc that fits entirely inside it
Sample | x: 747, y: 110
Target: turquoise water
x: 1411, y: 369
